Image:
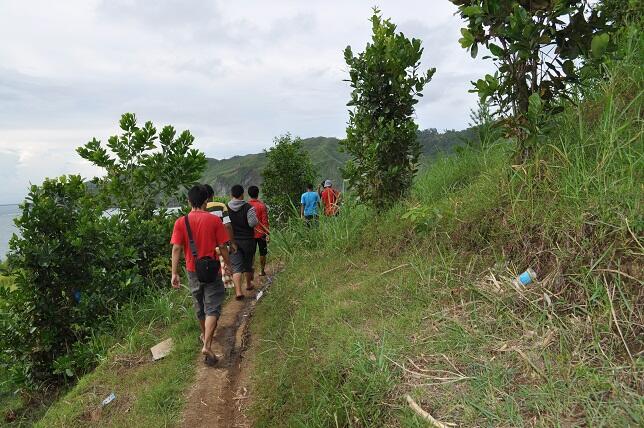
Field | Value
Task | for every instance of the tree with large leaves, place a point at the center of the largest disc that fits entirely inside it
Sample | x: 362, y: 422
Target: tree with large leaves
x: 144, y: 168
x: 537, y: 47
x: 288, y: 170
x: 381, y: 134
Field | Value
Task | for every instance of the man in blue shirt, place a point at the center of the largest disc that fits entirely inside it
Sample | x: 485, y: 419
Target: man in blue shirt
x: 310, y: 203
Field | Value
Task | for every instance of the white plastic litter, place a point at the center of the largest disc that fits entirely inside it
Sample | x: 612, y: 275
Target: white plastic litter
x: 109, y: 399
x: 259, y: 295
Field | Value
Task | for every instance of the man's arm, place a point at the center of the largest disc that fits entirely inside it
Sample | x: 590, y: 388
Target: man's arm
x: 223, y: 250
x: 176, y: 256
x: 225, y: 218
x: 229, y: 229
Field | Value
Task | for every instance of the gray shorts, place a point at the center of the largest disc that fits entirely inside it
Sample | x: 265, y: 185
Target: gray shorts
x: 207, y: 297
x: 242, y: 260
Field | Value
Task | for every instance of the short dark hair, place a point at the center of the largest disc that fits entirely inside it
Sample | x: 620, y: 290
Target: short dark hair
x: 210, y: 190
x: 237, y: 191
x: 197, y: 195
x: 309, y: 186
x: 253, y: 192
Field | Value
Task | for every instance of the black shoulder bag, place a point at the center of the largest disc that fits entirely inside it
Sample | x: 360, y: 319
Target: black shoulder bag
x: 207, y: 267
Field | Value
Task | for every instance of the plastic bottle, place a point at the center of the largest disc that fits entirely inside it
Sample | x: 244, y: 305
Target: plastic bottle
x: 526, y: 278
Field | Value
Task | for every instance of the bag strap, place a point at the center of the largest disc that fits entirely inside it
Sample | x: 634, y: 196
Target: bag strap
x: 193, y: 247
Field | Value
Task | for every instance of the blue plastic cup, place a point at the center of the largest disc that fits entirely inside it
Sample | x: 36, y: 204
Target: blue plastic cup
x: 527, y: 277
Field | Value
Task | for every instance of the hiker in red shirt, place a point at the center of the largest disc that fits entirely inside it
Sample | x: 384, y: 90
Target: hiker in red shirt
x: 330, y: 198
x: 197, y: 235
x: 262, y: 236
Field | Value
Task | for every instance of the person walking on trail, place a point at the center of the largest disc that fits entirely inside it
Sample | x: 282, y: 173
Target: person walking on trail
x: 262, y: 237
x: 221, y: 210
x: 243, y: 220
x: 197, y: 234
x: 330, y: 199
x: 310, y: 202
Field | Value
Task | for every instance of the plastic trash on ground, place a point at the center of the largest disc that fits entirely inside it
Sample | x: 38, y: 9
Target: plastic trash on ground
x: 526, y: 278
x: 108, y: 399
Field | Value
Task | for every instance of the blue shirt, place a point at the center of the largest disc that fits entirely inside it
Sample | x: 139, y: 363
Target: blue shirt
x: 310, y: 200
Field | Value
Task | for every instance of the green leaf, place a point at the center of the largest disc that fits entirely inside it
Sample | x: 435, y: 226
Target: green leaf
x: 471, y: 11
x: 475, y: 50
x: 568, y: 67
x: 467, y: 40
x: 535, y: 106
x: 599, y: 45
x: 496, y: 50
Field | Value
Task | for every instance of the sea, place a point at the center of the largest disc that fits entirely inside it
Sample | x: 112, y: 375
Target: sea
x: 9, y: 212
x: 7, y: 228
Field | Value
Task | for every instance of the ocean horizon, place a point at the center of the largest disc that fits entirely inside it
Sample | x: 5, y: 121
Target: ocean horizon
x: 7, y: 214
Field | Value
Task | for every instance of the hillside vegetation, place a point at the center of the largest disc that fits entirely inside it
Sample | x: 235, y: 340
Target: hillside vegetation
x: 326, y: 157
x: 419, y: 300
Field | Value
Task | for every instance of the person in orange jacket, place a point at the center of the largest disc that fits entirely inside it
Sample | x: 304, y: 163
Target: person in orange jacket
x: 262, y: 232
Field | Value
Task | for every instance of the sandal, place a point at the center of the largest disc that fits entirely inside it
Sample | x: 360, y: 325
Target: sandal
x: 210, y: 360
x: 239, y: 297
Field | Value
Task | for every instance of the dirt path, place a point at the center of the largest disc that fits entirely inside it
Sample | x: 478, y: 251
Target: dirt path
x: 220, y: 395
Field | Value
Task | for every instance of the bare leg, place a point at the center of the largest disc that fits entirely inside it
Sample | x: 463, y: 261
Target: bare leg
x: 211, y: 325
x: 249, y: 280
x: 262, y: 264
x: 202, y: 324
x: 237, y: 280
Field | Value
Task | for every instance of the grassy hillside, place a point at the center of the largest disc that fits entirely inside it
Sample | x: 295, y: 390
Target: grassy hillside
x: 326, y: 157
x: 148, y: 394
x: 419, y: 300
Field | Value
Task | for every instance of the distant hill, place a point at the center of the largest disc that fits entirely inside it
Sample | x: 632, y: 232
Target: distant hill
x: 326, y: 156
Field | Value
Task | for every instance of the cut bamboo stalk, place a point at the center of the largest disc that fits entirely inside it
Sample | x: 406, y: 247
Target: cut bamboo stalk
x: 426, y: 416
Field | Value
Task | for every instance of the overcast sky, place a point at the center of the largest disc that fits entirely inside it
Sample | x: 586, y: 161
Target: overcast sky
x: 235, y: 73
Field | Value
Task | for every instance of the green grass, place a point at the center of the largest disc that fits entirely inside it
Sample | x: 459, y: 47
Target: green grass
x: 148, y: 394
x: 418, y: 300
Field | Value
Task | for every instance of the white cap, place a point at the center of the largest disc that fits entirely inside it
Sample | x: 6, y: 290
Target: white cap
x: 327, y: 183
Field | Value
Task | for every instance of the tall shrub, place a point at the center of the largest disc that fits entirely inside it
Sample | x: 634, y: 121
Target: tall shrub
x: 381, y: 134
x: 73, y: 264
x: 288, y: 170
x: 144, y: 170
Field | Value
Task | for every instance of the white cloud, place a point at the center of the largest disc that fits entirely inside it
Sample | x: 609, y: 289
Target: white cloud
x: 235, y: 73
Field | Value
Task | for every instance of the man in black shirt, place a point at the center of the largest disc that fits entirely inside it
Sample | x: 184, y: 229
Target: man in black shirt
x: 243, y: 220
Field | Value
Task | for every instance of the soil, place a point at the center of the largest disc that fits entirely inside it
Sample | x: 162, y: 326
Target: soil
x: 220, y: 396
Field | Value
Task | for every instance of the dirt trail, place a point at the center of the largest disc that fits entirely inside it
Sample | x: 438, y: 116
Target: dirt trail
x: 220, y: 394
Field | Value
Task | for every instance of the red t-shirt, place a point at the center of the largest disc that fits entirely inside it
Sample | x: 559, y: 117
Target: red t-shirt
x: 208, y: 232
x: 330, y: 200
x: 262, y: 215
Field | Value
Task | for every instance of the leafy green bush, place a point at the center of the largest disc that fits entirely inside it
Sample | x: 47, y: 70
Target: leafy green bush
x: 69, y: 271
x: 288, y: 170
